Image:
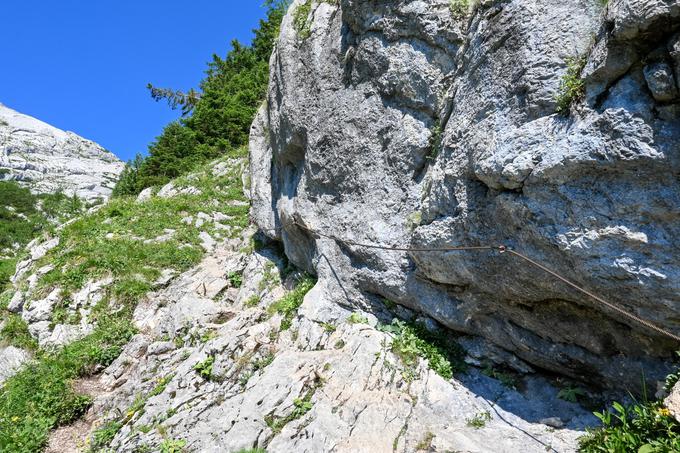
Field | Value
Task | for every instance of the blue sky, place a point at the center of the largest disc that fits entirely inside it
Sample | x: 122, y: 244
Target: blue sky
x: 83, y: 65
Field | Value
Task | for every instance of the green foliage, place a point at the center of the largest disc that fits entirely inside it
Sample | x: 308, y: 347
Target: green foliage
x: 235, y: 279
x: 289, y: 304
x: 175, y: 98
x: 506, y: 379
x: 217, y: 119
x: 411, y: 342
x: 641, y: 427
x: 204, y: 368
x: 571, y: 87
x: 252, y: 301
x: 301, y: 20
x: 436, y: 136
x: 479, y: 420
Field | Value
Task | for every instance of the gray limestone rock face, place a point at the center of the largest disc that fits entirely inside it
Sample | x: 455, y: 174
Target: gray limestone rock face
x: 399, y: 125
x: 47, y: 159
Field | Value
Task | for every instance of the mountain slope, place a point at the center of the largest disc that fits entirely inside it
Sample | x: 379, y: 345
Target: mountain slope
x: 47, y: 159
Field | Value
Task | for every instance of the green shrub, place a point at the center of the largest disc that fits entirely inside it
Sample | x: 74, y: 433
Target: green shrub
x: 571, y: 87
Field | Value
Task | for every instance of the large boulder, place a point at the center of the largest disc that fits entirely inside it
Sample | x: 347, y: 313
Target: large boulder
x: 400, y: 123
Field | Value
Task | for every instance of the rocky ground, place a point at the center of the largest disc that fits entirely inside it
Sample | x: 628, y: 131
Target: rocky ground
x: 212, y: 369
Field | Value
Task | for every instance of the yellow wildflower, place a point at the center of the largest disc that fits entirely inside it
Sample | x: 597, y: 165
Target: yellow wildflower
x: 665, y: 412
x: 15, y: 419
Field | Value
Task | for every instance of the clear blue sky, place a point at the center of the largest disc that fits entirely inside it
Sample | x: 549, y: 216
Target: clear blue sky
x: 83, y: 65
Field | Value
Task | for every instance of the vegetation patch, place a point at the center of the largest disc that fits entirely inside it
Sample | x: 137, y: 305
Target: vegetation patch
x: 641, y: 427
x: 301, y: 20
x: 289, y: 304
x: 459, y: 8
x: 300, y: 407
x: 40, y: 397
x: 24, y: 216
x: 572, y: 86
x: 412, y: 342
x: 479, y: 420
x: 204, y: 368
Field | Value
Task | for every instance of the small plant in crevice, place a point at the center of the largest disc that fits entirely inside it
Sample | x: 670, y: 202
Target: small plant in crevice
x: 235, y: 279
x: 172, y: 446
x: 300, y: 407
x: 301, y: 20
x: 436, y: 136
x: 571, y: 394
x: 507, y: 379
x: 289, y: 304
x: 479, y: 420
x: 204, y: 368
x: 572, y: 86
x: 459, y: 9
x: 412, y: 342
x: 357, y: 318
x: 414, y: 220
x: 426, y: 442
x: 252, y: 301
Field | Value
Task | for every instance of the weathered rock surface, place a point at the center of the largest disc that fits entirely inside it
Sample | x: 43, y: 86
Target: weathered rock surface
x: 47, y: 159
x: 396, y: 124
x: 359, y: 396
x: 11, y: 359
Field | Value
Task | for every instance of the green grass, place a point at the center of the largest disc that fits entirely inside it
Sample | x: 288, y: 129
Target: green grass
x: 289, y: 304
x: 40, y: 397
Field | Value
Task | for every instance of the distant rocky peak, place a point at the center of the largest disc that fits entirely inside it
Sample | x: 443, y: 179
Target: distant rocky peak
x: 47, y: 159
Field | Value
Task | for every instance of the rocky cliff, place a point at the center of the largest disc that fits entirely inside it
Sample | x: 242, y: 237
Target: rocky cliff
x: 426, y: 124
x: 47, y: 159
